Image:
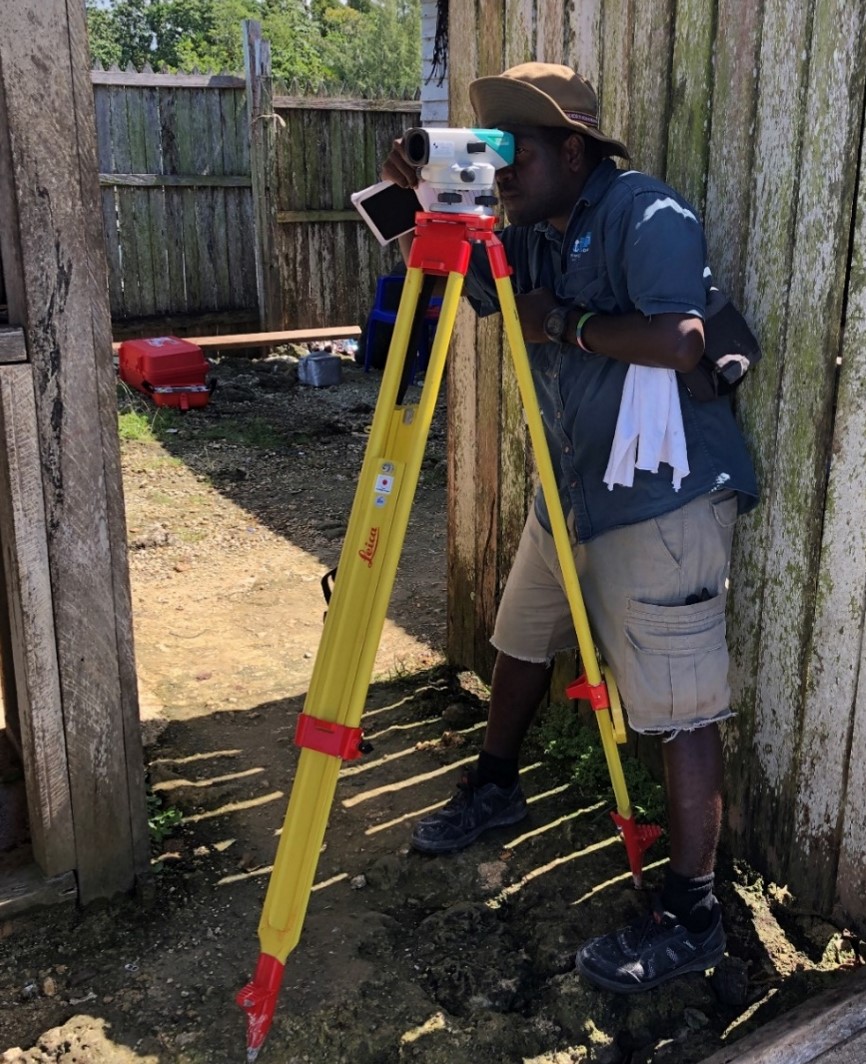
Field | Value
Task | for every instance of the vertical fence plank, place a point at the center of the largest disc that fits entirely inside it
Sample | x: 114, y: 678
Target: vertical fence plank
x: 760, y: 737
x: 613, y: 87
x: 27, y: 579
x: 583, y: 51
x: 520, y: 40
x: 178, y: 267
x: 649, y: 86
x: 125, y: 218
x: 43, y: 60
x: 731, y: 144
x: 691, y: 94
x: 462, y: 384
x: 139, y: 200
x: 257, y: 67
x: 204, y: 200
x: 831, y: 805
x: 551, y: 31
x: 823, y: 606
x: 108, y: 199
x: 160, y: 234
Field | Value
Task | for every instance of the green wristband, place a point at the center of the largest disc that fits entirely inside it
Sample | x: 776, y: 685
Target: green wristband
x: 578, y: 333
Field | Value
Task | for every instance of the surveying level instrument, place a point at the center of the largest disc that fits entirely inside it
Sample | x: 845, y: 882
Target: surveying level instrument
x: 328, y: 729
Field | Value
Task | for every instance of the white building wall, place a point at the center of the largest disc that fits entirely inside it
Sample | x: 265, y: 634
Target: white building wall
x: 434, y: 96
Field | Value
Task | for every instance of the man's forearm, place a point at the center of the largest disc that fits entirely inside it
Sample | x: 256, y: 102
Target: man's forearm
x: 671, y: 341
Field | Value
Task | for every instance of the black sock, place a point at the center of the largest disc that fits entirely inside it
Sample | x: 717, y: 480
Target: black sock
x: 690, y: 899
x: 499, y: 770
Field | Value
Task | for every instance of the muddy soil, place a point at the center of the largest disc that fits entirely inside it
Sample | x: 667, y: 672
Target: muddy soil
x: 234, y: 515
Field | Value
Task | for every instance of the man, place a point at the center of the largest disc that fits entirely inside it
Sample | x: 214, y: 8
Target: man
x: 610, y: 273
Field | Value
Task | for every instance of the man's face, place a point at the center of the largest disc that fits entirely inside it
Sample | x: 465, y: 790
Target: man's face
x: 542, y: 183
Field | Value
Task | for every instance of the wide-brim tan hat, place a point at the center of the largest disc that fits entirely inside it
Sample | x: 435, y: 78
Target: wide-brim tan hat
x: 540, y: 94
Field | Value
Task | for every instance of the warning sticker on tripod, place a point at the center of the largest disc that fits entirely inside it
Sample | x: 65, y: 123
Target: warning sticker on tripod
x: 384, y: 484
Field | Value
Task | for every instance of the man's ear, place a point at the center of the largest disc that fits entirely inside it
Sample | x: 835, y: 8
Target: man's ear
x: 574, y: 151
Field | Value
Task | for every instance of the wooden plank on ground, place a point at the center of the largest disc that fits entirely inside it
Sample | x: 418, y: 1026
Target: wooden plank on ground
x: 33, y: 642
x: 269, y: 339
x: 808, y: 1034
x: 26, y: 889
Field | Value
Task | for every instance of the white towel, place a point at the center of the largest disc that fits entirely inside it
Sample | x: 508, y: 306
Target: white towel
x: 649, y: 429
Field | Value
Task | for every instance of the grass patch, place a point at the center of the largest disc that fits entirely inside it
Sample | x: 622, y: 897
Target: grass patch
x: 140, y: 425
x: 253, y: 432
x: 575, y: 750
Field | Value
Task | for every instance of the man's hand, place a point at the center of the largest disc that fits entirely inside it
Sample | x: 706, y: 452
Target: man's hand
x: 532, y: 308
x: 397, y: 168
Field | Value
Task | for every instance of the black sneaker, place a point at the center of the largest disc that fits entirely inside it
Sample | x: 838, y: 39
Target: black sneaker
x: 649, y: 952
x: 464, y: 817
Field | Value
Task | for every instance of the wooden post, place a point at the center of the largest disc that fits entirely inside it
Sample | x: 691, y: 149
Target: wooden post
x: 260, y: 111
x: 51, y: 222
x: 35, y: 677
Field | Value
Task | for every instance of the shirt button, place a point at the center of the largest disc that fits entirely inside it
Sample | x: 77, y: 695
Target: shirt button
x: 567, y: 450
x: 573, y: 484
x: 558, y: 415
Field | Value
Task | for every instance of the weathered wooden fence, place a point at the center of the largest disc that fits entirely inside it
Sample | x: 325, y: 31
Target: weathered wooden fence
x: 318, y: 261
x: 221, y: 214
x: 755, y: 111
x: 177, y: 210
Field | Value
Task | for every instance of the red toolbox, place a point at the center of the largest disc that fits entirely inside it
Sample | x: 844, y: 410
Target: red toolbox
x: 173, y: 372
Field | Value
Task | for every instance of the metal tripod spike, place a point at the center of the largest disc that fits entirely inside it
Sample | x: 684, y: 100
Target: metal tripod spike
x: 328, y: 730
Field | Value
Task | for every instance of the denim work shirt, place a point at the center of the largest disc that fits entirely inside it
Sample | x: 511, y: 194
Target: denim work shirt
x: 631, y: 244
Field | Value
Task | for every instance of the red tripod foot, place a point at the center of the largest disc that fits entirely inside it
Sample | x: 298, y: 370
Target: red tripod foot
x: 637, y: 838
x: 259, y: 998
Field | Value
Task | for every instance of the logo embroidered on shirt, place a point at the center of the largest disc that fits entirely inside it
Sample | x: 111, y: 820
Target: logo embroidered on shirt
x: 581, y: 245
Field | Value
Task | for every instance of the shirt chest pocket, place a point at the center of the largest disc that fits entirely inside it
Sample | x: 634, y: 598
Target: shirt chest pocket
x: 584, y: 284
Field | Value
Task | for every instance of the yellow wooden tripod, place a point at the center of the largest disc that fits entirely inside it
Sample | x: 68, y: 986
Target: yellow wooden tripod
x: 329, y: 729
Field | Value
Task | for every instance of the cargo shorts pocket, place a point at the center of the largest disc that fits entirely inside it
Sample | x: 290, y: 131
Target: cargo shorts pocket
x: 675, y: 668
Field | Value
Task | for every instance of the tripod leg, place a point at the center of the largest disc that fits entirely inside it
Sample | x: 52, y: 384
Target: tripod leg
x: 595, y: 687
x: 329, y: 725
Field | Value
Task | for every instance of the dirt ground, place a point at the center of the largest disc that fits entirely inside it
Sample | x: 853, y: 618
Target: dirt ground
x: 233, y: 518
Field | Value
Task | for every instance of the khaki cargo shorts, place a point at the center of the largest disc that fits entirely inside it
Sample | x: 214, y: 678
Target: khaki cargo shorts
x: 640, y: 584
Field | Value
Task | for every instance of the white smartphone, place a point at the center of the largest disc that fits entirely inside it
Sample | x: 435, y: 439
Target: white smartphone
x: 387, y: 209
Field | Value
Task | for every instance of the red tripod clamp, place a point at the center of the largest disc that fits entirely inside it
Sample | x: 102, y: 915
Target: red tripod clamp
x: 443, y: 243
x: 595, y: 694
x: 328, y: 737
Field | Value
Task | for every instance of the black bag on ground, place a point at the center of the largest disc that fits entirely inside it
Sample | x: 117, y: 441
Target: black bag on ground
x: 730, y: 350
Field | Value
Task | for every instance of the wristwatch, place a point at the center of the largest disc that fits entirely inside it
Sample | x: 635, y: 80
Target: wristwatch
x: 554, y: 324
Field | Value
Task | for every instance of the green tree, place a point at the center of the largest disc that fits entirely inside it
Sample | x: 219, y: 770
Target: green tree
x: 378, y: 51
x: 101, y: 33
x: 369, y: 46
x: 296, y: 41
x: 220, y: 48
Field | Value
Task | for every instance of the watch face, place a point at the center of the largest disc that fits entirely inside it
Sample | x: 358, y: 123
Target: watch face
x: 554, y: 323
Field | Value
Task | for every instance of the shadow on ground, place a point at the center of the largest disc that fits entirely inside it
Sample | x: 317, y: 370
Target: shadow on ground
x: 452, y: 960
